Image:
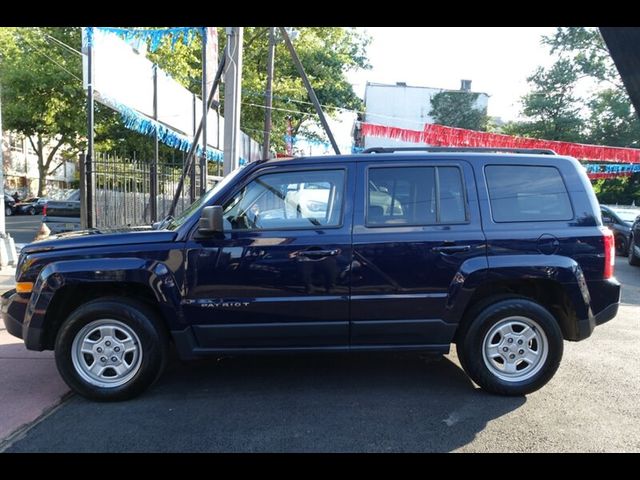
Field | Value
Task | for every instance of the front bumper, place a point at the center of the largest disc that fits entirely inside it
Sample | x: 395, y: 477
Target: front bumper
x: 13, y: 307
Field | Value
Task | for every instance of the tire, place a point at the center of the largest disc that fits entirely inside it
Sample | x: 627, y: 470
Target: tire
x: 118, y: 328
x: 633, y: 259
x: 621, y: 246
x: 31, y: 211
x: 7, y: 211
x: 483, y: 336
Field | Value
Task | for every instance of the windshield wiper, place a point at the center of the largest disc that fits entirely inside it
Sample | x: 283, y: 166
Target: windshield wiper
x: 162, y: 223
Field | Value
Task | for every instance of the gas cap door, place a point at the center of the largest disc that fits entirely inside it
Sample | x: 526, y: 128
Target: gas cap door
x: 548, y: 244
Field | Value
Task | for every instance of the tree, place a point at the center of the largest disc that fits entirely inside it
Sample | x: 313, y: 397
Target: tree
x: 327, y: 53
x: 553, y: 108
x: 42, y: 91
x: 459, y: 109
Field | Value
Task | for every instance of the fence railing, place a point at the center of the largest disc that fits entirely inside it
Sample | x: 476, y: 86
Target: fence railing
x: 122, y: 190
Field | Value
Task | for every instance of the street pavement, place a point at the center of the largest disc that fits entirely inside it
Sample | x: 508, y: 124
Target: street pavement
x: 362, y: 403
x: 23, y: 228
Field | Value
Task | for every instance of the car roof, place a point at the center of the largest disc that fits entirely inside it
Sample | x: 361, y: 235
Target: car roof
x: 471, y: 157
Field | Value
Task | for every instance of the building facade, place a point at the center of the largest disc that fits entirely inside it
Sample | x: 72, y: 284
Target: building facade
x: 21, y: 168
x: 403, y: 106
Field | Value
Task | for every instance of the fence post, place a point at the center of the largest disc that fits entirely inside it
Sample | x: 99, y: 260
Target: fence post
x: 83, y: 191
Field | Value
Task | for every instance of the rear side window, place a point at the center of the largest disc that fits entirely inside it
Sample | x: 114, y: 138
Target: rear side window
x: 520, y: 193
x: 415, y: 196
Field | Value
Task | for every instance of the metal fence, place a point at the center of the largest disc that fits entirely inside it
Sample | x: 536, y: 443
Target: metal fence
x: 122, y: 187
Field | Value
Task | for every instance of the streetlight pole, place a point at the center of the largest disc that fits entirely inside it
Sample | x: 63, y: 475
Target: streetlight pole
x: 2, y: 222
x: 269, y: 93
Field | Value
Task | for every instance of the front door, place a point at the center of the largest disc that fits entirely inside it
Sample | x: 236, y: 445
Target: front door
x: 279, y: 276
x: 415, y: 225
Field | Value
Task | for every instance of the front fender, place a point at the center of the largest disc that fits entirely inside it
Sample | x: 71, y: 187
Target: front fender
x: 56, y: 275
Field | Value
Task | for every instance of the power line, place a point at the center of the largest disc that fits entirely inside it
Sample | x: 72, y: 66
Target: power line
x: 68, y: 47
x: 49, y: 58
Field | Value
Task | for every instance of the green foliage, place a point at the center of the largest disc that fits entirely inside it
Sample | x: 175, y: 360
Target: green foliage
x: 457, y: 109
x: 623, y: 191
x: 41, y: 90
x: 327, y: 53
x: 552, y: 107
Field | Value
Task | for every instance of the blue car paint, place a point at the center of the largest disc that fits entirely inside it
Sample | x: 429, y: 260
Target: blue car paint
x: 385, y: 288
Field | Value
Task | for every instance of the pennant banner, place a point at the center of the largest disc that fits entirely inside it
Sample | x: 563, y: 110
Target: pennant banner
x: 156, y: 36
x: 439, y: 135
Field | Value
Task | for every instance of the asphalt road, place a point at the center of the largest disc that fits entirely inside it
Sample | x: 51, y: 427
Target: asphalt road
x: 23, y: 228
x: 369, y: 403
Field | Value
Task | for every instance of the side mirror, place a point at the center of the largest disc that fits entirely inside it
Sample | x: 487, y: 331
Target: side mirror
x: 211, y: 220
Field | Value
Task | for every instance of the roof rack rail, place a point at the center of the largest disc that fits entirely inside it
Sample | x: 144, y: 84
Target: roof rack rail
x: 539, y: 151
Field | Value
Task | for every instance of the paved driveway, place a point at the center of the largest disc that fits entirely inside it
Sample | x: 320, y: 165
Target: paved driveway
x: 369, y: 403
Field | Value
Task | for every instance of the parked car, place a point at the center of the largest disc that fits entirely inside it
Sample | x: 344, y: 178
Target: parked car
x: 634, y: 247
x: 31, y: 206
x: 9, y: 205
x: 620, y: 219
x: 502, y: 253
x: 63, y: 215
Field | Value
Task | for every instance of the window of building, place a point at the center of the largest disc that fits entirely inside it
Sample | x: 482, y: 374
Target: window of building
x: 30, y: 149
x: 415, y: 196
x: 300, y: 199
x: 15, y: 142
x: 520, y: 193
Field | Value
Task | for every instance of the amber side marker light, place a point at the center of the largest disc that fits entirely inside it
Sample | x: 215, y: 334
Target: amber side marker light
x: 24, y: 287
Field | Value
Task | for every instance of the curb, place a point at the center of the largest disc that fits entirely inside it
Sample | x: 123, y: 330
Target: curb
x: 22, y: 431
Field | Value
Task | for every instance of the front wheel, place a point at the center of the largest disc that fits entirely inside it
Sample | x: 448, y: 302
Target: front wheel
x: 512, y: 347
x: 7, y: 211
x: 111, y: 349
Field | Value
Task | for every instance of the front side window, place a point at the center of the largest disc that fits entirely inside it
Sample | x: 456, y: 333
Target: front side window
x: 415, y: 196
x: 527, y: 193
x: 300, y: 199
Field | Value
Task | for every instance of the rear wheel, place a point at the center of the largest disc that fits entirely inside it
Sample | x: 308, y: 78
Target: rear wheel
x: 7, y: 211
x: 621, y: 246
x: 512, y: 347
x: 31, y: 211
x: 633, y: 258
x: 111, y: 349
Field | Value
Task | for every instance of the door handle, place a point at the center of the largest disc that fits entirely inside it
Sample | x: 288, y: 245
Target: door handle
x: 318, y: 253
x: 447, y: 249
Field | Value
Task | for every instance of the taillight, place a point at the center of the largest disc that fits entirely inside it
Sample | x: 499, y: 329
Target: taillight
x: 44, y: 209
x: 609, y: 252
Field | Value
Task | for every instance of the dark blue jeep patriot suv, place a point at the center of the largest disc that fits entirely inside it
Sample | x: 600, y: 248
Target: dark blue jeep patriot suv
x: 501, y: 252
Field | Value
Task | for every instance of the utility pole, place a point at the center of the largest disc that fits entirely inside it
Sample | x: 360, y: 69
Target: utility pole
x: 205, y: 112
x: 88, y: 180
x: 233, y: 93
x: 269, y: 93
x: 310, y: 90
x: 2, y: 222
x: 153, y: 171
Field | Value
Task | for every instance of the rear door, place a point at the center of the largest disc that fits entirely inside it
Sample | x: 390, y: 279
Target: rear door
x: 415, y: 225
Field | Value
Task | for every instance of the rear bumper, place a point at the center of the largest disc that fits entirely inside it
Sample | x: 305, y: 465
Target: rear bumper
x: 607, y: 289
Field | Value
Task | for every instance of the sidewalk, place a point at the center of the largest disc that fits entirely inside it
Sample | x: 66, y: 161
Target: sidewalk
x: 29, y: 381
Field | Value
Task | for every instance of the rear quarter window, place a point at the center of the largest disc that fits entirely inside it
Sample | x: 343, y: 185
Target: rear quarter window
x: 527, y: 193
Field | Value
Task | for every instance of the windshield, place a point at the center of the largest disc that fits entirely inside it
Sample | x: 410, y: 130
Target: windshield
x: 627, y: 215
x: 176, y: 222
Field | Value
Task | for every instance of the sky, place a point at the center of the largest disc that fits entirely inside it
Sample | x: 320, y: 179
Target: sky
x: 497, y: 60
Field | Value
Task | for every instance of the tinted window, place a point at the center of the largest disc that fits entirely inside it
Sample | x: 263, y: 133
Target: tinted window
x: 412, y: 196
x: 527, y: 193
x: 305, y: 199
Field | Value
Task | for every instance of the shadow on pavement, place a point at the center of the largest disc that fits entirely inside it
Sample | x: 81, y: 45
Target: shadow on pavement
x: 294, y: 403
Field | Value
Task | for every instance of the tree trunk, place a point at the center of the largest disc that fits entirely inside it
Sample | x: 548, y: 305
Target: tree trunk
x: 42, y: 169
